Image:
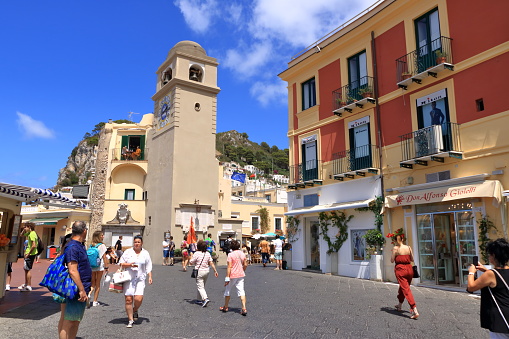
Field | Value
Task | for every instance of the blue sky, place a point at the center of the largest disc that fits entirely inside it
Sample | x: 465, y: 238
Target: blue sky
x: 68, y: 65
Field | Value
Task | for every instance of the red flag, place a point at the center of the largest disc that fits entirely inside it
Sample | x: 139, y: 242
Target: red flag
x: 191, y: 236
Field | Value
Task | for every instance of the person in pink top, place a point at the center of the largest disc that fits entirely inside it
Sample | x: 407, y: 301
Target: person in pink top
x: 237, y: 264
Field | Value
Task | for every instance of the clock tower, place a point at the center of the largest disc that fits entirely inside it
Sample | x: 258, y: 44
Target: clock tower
x: 182, y: 178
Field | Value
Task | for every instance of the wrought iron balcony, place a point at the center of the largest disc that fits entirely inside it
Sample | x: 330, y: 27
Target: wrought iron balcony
x: 356, y: 161
x: 428, y: 60
x: 305, y: 174
x: 355, y: 94
x: 129, y: 155
x: 434, y: 143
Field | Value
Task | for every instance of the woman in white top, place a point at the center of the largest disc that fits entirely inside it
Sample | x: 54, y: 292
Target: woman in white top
x: 137, y: 262
x: 98, y: 272
x: 202, y: 260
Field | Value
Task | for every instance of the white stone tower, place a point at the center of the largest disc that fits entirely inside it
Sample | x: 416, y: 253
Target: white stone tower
x: 182, y: 180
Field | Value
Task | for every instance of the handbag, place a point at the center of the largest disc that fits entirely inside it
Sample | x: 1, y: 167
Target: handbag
x: 116, y: 287
x: 489, y: 289
x: 194, y: 273
x: 416, y: 271
x: 121, y: 276
x: 58, y: 280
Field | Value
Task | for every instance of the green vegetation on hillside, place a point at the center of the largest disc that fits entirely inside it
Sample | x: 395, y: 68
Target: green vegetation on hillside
x: 235, y: 146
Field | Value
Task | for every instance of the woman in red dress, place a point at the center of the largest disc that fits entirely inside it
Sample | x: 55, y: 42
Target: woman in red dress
x: 402, y: 255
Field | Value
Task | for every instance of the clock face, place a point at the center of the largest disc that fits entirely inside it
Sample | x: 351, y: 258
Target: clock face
x: 164, y: 107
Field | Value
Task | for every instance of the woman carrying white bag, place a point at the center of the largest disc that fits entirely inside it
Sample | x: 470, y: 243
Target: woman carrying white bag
x: 137, y: 262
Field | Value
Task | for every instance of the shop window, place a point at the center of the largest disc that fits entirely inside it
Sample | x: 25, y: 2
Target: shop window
x: 277, y: 223
x: 310, y: 200
x: 308, y: 94
x: 129, y: 194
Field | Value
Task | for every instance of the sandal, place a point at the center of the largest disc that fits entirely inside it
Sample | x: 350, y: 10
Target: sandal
x: 223, y: 309
x: 243, y: 312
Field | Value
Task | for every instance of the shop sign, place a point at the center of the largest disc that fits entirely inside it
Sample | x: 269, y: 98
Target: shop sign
x: 489, y: 188
x: 359, y: 122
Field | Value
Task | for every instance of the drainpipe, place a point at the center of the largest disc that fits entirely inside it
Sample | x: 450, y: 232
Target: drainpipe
x: 378, y: 132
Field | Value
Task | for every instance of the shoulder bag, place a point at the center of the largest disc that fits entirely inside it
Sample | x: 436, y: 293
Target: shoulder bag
x: 58, y: 280
x: 194, y: 273
x: 489, y: 289
x: 414, y: 267
x: 121, y: 276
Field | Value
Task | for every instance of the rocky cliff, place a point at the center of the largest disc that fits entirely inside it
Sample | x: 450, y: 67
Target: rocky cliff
x: 80, y: 165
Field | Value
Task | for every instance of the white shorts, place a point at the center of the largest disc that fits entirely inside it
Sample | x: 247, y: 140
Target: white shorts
x: 134, y: 287
x: 237, y: 283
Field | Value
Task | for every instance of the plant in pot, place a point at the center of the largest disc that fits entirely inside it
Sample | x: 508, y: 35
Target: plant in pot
x: 340, y: 101
x: 405, y: 75
x: 366, y: 92
x: 441, y: 57
x: 374, y: 241
x: 485, y: 226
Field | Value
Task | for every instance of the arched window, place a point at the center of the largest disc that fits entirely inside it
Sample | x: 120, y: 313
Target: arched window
x: 195, y: 73
x: 166, y: 76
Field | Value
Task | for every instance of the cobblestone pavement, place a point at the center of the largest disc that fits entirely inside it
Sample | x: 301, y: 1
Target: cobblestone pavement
x: 281, y: 304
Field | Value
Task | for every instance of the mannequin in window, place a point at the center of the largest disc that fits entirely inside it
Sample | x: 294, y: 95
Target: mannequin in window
x: 437, y: 117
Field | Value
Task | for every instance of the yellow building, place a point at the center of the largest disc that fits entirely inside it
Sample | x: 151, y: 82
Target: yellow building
x: 412, y: 91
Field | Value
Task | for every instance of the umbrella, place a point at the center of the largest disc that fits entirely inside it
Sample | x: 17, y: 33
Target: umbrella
x: 256, y: 236
x: 191, y: 236
x: 270, y: 235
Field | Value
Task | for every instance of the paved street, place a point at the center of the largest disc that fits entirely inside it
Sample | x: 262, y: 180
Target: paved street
x: 281, y: 304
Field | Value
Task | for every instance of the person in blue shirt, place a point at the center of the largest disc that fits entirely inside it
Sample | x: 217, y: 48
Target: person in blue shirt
x: 72, y: 310
x: 211, y: 244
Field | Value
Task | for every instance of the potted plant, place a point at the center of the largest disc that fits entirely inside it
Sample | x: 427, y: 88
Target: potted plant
x: 441, y: 57
x: 366, y: 92
x: 340, y: 101
x: 374, y: 240
x: 350, y: 100
x: 255, y: 231
x: 485, y: 226
x: 214, y: 257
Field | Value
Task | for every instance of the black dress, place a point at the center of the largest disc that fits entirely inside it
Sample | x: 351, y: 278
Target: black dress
x: 490, y: 315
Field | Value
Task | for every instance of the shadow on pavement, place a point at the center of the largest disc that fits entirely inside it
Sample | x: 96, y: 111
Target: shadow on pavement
x: 44, y: 307
x: 393, y: 311
x: 123, y: 320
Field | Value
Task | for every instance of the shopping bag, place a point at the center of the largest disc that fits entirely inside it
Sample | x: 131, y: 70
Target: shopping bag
x: 116, y: 287
x: 58, y: 280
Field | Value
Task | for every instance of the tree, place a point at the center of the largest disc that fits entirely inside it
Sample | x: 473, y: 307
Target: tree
x: 274, y: 149
x: 265, y: 146
x: 244, y: 135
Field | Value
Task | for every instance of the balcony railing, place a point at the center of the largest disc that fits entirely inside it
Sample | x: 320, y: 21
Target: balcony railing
x: 118, y: 154
x: 307, y: 173
x: 355, y: 91
x: 428, y: 56
x: 356, y: 161
x: 436, y: 142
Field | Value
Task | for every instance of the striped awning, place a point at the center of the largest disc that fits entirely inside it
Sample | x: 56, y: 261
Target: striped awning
x: 46, y: 221
x: 28, y: 194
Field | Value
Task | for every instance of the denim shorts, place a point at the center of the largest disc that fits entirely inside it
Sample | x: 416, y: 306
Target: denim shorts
x: 74, y: 309
x: 166, y: 253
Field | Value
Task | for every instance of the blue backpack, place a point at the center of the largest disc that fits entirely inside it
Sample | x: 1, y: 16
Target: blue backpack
x: 93, y: 256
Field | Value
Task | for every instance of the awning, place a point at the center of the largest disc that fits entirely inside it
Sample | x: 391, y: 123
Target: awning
x: 27, y: 194
x: 484, y: 189
x: 330, y: 207
x: 46, y: 221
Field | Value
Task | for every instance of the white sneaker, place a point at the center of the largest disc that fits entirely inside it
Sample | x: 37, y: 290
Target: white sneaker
x: 7, y: 287
x: 26, y: 289
x: 22, y: 286
x: 95, y: 303
x: 130, y: 324
x: 205, y: 303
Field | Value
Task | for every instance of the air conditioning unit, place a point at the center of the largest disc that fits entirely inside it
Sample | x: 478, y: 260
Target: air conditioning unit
x: 428, y: 141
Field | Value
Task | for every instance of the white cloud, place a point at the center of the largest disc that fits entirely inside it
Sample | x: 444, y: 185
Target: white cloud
x: 234, y: 13
x: 33, y: 128
x: 198, y: 14
x: 248, y: 60
x: 301, y: 22
x: 266, y: 93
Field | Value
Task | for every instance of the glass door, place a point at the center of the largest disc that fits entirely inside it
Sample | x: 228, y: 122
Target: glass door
x: 445, y: 242
x: 466, y: 242
x: 425, y: 237
x: 315, y: 246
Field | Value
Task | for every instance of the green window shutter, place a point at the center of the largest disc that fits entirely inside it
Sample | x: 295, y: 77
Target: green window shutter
x: 142, y: 146
x: 125, y: 141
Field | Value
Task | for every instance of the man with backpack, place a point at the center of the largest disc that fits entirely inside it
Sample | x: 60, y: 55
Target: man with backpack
x: 29, y: 255
x: 226, y: 245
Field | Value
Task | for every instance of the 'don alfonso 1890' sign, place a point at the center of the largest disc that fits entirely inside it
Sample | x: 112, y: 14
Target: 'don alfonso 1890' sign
x: 489, y: 188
